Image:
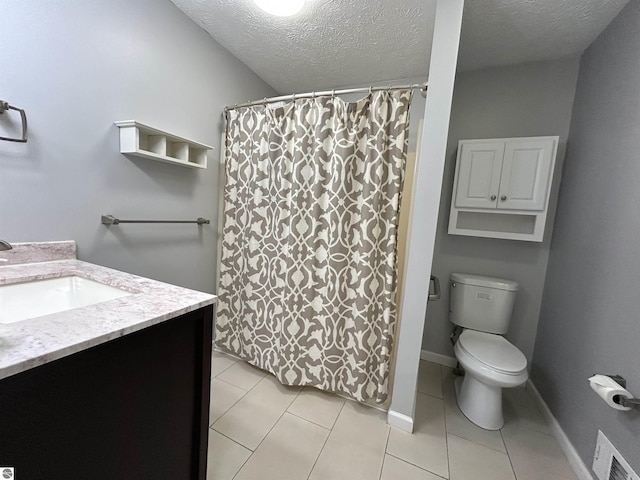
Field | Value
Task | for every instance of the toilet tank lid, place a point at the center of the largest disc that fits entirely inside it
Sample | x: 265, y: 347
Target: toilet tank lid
x: 481, y: 281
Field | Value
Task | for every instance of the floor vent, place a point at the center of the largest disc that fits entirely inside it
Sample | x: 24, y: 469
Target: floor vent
x: 608, y: 464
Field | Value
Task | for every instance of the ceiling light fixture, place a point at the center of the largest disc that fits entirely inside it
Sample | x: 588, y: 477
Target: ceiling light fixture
x: 280, y: 8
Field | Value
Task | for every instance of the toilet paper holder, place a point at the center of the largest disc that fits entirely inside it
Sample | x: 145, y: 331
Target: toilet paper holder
x: 625, y: 402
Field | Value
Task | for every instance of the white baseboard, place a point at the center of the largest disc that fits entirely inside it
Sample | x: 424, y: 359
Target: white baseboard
x: 578, y: 466
x: 400, y: 421
x: 438, y: 358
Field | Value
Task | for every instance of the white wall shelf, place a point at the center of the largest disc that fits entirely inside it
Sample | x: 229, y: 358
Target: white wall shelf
x: 148, y: 142
x: 501, y: 187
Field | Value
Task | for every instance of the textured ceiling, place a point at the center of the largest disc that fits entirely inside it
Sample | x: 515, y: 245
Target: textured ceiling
x: 507, y: 32
x: 333, y: 43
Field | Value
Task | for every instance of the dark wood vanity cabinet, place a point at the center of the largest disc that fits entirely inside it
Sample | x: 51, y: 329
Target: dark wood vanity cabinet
x: 136, y: 408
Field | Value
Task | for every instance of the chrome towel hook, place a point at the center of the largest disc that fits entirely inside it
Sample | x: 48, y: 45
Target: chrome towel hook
x: 4, y: 106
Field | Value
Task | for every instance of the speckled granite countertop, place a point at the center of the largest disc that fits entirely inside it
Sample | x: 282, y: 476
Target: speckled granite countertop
x: 32, y: 342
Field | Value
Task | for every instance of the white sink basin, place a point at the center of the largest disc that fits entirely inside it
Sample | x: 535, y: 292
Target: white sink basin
x: 21, y: 301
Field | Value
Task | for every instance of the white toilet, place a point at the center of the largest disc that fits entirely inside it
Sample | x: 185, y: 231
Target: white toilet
x: 482, y: 306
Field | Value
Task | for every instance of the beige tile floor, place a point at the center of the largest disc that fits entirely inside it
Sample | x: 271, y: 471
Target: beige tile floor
x: 261, y: 430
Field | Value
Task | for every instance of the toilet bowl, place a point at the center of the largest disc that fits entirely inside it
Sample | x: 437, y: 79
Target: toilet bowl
x: 491, y: 363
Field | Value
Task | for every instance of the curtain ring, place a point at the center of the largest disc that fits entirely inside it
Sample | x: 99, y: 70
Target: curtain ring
x: 264, y: 101
x: 389, y: 89
x: 333, y: 93
x: 313, y: 94
x: 293, y: 97
x: 370, y: 89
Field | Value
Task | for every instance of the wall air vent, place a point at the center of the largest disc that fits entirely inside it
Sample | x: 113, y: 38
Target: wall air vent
x: 617, y: 471
x: 608, y: 464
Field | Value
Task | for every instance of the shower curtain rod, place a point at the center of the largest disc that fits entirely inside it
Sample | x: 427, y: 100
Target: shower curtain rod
x: 294, y: 96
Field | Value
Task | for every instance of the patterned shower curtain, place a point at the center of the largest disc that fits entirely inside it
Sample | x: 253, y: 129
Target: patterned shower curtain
x: 308, y: 268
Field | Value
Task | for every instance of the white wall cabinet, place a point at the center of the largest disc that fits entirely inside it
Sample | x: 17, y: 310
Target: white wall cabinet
x: 480, y: 166
x: 501, y: 187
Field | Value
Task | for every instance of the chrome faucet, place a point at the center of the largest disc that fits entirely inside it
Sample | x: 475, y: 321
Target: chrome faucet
x: 5, y: 245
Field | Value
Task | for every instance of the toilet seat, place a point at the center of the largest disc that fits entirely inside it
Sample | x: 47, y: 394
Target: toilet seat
x: 493, y: 351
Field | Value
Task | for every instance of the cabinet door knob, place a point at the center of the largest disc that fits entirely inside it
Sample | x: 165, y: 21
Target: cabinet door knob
x: 493, y: 197
x: 503, y: 198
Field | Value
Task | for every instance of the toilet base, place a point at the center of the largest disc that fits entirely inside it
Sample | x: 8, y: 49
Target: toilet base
x: 479, y: 402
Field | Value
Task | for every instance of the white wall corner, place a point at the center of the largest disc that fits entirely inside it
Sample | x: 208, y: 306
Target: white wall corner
x: 400, y: 421
x: 579, y: 468
x: 438, y: 358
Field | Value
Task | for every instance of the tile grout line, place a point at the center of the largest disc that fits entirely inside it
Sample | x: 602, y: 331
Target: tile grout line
x: 229, y: 438
x: 325, y: 442
x: 517, y: 421
x: 278, y: 420
x: 309, y: 421
x: 243, y: 463
x: 324, y: 391
x: 478, y: 443
x: 261, y: 441
x: 430, y: 395
x: 242, y: 466
x: 341, y: 408
x: 221, y: 371
x: 235, y: 360
x: 441, y: 384
x: 270, y: 430
x: 229, y: 383
x: 238, y: 386
x: 475, y: 441
x: 241, y: 388
x: 233, y: 405
x: 384, y: 454
x: 414, y: 465
x: 446, y: 429
x: 246, y: 392
x: 522, y: 425
x: 215, y: 349
x: 508, y: 456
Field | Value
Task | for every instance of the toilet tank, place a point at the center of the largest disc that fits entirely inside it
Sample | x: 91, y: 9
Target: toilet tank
x: 481, y: 303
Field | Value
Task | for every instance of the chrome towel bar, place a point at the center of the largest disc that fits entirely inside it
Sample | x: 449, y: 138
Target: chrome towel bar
x: 4, y: 106
x: 111, y: 220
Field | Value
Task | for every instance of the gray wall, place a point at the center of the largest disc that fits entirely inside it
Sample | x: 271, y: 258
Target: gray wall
x: 76, y: 67
x: 590, y: 320
x: 525, y: 100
